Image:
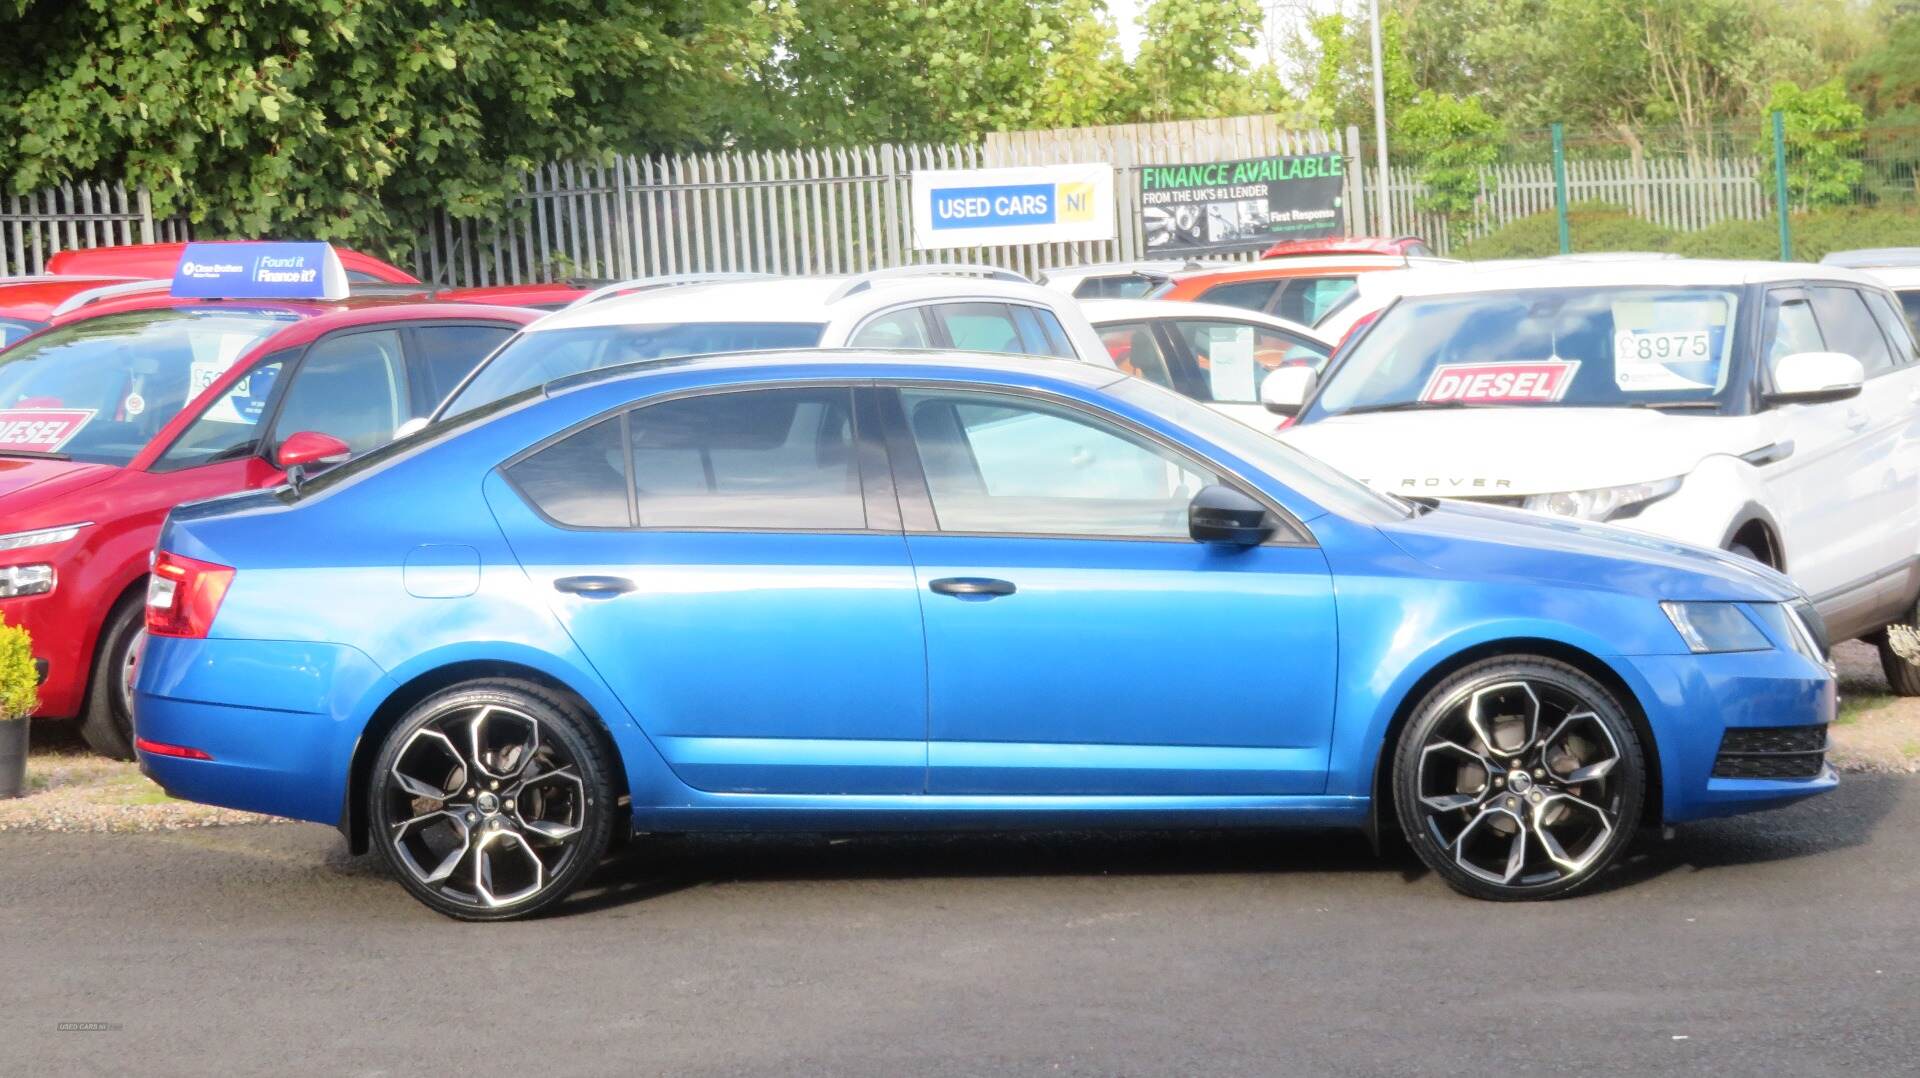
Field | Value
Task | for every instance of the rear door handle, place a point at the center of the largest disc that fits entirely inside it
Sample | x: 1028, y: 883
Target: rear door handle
x: 971, y: 585
x: 594, y: 587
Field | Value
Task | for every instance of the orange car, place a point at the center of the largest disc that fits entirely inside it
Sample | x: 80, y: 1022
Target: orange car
x: 1303, y: 290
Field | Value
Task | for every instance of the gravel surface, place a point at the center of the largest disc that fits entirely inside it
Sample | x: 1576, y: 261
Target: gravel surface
x: 1777, y: 944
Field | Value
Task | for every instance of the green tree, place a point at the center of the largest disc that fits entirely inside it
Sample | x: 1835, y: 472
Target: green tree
x: 1823, y: 136
x: 1194, y: 62
x: 351, y: 119
x: 1342, y: 87
x: 1450, y: 140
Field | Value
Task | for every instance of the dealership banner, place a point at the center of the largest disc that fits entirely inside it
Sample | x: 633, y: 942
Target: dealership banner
x: 985, y: 207
x: 1237, y: 205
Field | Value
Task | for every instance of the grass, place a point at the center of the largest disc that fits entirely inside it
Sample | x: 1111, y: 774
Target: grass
x: 1853, y: 705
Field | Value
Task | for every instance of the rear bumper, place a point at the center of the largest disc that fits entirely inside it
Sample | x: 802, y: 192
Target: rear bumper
x: 286, y: 751
x: 1693, y: 700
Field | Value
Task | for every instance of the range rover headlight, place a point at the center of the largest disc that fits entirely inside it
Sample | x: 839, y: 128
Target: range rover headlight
x: 40, y: 537
x: 1604, y: 503
x: 1715, y: 627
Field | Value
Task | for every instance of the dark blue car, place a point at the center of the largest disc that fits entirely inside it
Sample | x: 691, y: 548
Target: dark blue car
x: 842, y: 592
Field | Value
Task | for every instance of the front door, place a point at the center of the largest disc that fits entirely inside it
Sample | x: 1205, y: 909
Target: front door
x: 735, y: 572
x: 1078, y: 641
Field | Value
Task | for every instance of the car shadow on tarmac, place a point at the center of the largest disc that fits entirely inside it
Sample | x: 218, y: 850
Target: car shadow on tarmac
x: 655, y: 865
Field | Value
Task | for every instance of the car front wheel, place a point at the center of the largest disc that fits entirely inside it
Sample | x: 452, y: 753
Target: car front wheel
x: 1519, y: 778
x: 491, y: 800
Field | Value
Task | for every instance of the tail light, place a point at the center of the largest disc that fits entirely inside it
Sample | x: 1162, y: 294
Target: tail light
x: 183, y: 595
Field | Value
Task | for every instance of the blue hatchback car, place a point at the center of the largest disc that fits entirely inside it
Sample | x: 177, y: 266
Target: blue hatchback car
x: 848, y: 591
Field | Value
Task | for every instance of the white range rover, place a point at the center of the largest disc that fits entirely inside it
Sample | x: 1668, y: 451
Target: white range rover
x: 1768, y: 409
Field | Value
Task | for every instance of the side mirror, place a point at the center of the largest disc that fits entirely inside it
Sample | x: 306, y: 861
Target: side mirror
x: 1815, y: 377
x: 309, y: 447
x: 412, y: 426
x: 1285, y: 391
x: 1221, y: 514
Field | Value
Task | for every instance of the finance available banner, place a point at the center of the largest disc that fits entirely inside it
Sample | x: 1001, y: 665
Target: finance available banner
x: 984, y: 207
x: 1225, y: 206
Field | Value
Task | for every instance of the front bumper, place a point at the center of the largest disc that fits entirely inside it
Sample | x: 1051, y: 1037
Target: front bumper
x: 1692, y: 701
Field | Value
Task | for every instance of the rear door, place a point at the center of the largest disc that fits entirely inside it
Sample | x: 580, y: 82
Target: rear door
x: 731, y: 563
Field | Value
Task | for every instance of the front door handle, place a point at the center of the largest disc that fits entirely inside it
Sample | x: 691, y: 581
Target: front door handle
x: 594, y: 587
x: 1856, y: 419
x: 972, y: 585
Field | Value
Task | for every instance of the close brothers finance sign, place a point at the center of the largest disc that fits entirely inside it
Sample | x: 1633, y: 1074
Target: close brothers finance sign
x: 1239, y: 205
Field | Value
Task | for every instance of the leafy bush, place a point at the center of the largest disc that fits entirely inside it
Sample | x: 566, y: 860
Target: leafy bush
x: 1601, y: 227
x: 1594, y: 226
x: 19, y: 685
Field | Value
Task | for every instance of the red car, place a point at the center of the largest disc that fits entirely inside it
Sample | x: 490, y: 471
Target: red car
x: 126, y: 407
x: 544, y: 297
x: 1405, y: 246
x: 27, y: 303
x: 150, y: 260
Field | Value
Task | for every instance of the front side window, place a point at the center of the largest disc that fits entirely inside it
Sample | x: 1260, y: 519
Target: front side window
x: 1136, y: 351
x: 229, y: 428
x: 1233, y: 358
x: 1011, y: 465
x: 1789, y: 327
x: 352, y: 386
x: 99, y: 390
x: 1894, y: 324
x: 534, y: 359
x: 1849, y: 327
x: 1601, y: 347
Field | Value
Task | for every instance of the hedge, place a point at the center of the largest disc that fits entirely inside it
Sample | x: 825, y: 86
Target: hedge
x: 1596, y: 226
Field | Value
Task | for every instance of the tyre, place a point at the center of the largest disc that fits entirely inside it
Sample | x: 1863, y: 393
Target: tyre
x: 106, y: 724
x: 492, y: 800
x: 1903, y: 672
x: 1518, y: 778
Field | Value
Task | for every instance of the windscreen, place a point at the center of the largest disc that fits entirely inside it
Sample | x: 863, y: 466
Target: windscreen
x: 100, y: 389
x: 1573, y: 347
x: 12, y: 329
x: 534, y: 359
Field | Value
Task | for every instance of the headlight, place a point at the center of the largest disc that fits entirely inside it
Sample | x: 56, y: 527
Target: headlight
x: 40, y: 536
x: 1711, y: 627
x: 1604, y: 503
x: 18, y: 580
x: 1788, y: 624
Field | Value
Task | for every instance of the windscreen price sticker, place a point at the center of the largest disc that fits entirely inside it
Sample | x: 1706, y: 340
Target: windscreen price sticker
x: 40, y: 430
x: 1539, y: 382
x: 1644, y: 361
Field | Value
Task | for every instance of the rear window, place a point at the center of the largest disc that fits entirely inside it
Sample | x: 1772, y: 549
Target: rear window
x: 534, y: 359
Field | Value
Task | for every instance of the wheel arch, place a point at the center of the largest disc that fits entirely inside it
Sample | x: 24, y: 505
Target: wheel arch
x: 1753, y: 521
x: 387, y: 714
x: 1380, y: 815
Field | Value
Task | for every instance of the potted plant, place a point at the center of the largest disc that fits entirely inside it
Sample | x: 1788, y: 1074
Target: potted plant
x: 19, y: 696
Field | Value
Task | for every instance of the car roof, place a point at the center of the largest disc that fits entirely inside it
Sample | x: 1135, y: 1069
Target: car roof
x: 1522, y: 274
x: 784, y: 299
x: 355, y: 310
x: 159, y: 260
x: 847, y: 362
x: 1106, y: 311
x: 1899, y: 278
x: 1305, y: 266
x: 1874, y: 258
x: 36, y: 297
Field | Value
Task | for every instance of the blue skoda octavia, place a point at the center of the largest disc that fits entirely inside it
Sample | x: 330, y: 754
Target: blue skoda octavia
x: 848, y: 591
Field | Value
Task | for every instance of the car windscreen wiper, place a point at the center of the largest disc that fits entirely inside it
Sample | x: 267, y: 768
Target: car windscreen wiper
x: 1408, y: 406
x: 1692, y: 404
x: 34, y: 454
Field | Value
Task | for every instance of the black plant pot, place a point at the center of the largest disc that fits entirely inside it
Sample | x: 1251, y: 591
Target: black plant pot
x: 13, y: 757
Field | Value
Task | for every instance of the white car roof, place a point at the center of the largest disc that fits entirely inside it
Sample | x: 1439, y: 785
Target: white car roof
x: 1108, y: 311
x: 1900, y: 278
x: 813, y: 300
x: 1518, y: 274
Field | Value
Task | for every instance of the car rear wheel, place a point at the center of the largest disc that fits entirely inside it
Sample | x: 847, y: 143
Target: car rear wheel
x: 107, y: 724
x: 492, y: 800
x: 1519, y: 778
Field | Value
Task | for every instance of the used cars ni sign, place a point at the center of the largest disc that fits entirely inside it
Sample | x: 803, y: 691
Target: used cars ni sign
x: 844, y: 591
